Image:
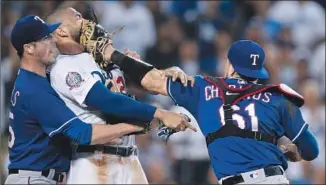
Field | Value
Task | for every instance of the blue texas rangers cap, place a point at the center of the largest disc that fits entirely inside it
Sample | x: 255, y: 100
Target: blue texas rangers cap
x: 28, y: 29
x: 247, y: 59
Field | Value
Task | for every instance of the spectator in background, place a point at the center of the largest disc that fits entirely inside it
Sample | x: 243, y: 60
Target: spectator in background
x: 222, y: 44
x: 188, y: 56
x: 301, y: 64
x: 209, y: 24
x: 306, y: 18
x: 164, y: 53
x: 190, y: 154
x: 314, y: 113
x: 139, y: 31
x: 317, y: 66
x: 270, y: 28
x: 186, y: 12
x: 285, y: 63
x: 154, y: 156
x: 155, y: 8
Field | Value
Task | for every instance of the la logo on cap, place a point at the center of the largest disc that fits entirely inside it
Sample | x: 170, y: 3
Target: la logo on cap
x: 255, y: 56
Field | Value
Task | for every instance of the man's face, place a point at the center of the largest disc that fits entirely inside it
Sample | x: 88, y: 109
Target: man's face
x: 46, y: 50
x: 73, y: 20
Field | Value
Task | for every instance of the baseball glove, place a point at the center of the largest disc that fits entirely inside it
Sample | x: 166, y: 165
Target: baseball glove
x: 94, y: 38
x: 165, y: 132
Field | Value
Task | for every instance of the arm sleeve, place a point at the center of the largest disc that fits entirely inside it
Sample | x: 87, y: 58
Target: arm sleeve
x: 187, y: 97
x: 56, y: 118
x: 307, y: 145
x: 292, y: 121
x: 100, y: 98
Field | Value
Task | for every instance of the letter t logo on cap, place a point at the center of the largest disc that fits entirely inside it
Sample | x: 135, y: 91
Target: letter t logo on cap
x: 255, y: 56
x: 39, y: 19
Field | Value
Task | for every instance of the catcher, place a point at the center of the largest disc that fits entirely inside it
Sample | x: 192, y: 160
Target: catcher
x: 244, y: 154
x: 75, y: 77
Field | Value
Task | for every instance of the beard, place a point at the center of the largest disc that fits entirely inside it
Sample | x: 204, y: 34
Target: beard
x: 51, y: 57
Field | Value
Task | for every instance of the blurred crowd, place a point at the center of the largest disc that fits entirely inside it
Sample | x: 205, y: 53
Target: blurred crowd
x: 196, y: 35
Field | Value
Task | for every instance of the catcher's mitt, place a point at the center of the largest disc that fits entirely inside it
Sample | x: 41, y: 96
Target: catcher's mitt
x: 94, y: 38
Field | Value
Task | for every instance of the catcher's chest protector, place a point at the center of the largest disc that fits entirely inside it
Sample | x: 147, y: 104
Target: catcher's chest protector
x: 230, y: 96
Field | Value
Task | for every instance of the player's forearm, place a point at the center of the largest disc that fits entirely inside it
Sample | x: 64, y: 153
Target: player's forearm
x: 100, y: 98
x: 307, y: 145
x: 135, y: 69
x: 155, y: 82
x: 102, y: 134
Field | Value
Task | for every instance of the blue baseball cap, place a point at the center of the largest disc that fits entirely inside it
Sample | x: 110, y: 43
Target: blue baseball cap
x: 247, y: 59
x: 28, y: 29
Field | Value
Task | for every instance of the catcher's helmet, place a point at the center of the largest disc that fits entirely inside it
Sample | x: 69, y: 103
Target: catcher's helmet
x: 247, y: 59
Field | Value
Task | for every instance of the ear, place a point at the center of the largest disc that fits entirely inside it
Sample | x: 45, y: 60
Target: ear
x: 29, y: 48
x: 62, y: 31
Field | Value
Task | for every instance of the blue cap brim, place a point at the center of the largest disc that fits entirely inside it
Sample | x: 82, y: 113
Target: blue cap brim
x: 50, y: 28
x: 260, y: 74
x: 53, y: 27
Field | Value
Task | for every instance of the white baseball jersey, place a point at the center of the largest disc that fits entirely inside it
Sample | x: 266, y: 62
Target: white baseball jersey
x: 73, y: 76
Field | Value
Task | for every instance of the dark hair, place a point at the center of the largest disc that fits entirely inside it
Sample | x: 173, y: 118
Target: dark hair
x: 20, y: 54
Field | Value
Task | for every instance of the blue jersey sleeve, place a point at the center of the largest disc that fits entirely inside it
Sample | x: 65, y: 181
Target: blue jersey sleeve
x: 187, y: 97
x: 51, y: 112
x: 292, y: 121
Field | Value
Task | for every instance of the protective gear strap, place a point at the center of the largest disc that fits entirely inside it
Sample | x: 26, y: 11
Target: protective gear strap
x: 135, y: 69
x: 231, y: 96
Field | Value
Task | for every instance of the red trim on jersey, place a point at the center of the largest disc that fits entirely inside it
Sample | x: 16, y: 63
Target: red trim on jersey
x: 288, y: 93
x: 252, y: 93
x: 300, y: 101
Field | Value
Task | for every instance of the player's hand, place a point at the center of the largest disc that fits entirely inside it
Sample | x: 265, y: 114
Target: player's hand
x: 289, y: 149
x: 117, y: 141
x: 291, y: 152
x: 132, y: 54
x: 177, y: 73
x: 175, y: 121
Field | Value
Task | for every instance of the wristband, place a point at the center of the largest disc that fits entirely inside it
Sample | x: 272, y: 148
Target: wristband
x: 134, y: 68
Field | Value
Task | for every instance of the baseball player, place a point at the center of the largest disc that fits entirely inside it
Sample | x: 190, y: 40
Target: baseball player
x: 41, y: 125
x: 38, y: 117
x: 245, y: 123
x: 75, y: 76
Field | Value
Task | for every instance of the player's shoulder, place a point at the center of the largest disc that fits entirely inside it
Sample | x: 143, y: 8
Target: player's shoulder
x: 67, y: 63
x: 199, y: 79
x: 73, y: 60
x: 29, y: 83
x: 287, y: 94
